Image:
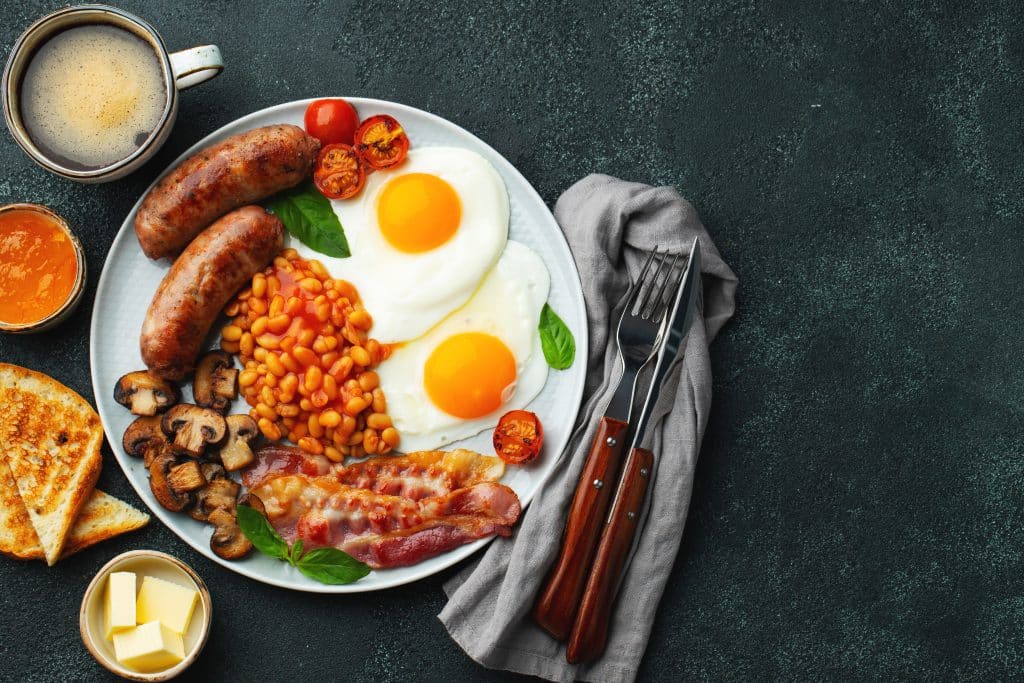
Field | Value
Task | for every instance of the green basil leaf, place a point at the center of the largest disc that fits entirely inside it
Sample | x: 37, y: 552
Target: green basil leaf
x: 332, y: 566
x: 326, y: 565
x: 296, y: 552
x: 308, y: 216
x: 258, y: 530
x: 556, y: 340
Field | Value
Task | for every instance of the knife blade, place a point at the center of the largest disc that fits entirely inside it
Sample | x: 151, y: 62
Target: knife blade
x: 590, y: 630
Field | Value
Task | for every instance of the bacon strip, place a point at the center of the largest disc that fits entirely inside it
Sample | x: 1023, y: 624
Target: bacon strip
x: 384, y: 530
x: 423, y: 474
x: 273, y: 460
x: 416, y: 475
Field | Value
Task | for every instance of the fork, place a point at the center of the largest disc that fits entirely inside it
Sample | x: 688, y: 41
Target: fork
x: 638, y: 333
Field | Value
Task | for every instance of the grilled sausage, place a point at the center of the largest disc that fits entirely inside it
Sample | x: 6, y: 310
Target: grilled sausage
x: 200, y: 283
x: 242, y: 169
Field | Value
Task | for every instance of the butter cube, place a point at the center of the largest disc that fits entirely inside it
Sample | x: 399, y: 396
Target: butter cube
x: 166, y: 602
x: 119, y: 603
x: 150, y: 647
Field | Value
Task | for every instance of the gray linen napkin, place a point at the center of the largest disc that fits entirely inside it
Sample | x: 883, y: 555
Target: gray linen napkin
x: 608, y: 223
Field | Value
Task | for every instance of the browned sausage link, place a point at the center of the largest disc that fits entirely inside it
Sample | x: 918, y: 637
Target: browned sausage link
x: 242, y: 169
x: 200, y: 283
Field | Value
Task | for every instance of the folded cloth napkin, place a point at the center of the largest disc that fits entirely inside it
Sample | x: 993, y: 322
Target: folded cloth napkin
x: 609, y: 224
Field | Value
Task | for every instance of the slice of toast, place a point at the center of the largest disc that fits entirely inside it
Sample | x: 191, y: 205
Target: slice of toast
x: 17, y: 537
x: 51, y: 438
x: 102, y: 517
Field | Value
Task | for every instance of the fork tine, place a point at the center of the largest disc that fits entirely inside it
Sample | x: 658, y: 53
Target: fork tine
x: 660, y: 305
x: 655, y: 294
x: 638, y: 286
x: 649, y: 286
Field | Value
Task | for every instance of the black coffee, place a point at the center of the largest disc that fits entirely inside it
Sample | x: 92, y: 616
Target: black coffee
x: 91, y: 95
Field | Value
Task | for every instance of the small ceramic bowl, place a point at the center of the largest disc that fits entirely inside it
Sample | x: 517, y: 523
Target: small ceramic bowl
x: 74, y: 297
x: 144, y: 563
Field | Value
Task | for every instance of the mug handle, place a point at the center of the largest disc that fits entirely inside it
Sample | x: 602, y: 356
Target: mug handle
x: 195, y: 65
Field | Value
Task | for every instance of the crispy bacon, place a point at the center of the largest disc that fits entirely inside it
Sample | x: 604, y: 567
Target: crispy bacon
x: 423, y: 474
x: 414, y: 476
x: 385, y: 530
x: 274, y: 459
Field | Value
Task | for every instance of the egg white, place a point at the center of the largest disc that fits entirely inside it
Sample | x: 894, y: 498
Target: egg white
x: 507, y: 305
x: 408, y: 293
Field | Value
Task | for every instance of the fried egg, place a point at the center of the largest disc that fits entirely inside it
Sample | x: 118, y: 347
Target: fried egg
x: 422, y: 238
x: 478, y: 363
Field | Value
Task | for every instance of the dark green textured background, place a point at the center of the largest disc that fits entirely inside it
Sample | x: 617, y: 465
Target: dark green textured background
x: 857, y: 508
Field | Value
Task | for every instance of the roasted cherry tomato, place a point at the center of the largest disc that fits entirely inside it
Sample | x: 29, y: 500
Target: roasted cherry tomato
x: 338, y: 172
x: 518, y: 437
x: 331, y: 121
x: 381, y: 141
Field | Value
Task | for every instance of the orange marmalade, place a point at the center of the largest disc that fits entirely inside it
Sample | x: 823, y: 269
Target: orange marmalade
x: 38, y: 266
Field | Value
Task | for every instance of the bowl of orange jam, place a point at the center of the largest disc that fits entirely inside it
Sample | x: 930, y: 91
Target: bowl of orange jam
x: 42, y: 268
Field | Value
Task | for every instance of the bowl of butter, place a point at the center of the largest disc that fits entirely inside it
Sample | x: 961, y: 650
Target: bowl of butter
x: 145, y: 616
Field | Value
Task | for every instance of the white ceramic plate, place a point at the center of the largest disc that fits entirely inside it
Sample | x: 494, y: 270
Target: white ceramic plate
x: 129, y: 280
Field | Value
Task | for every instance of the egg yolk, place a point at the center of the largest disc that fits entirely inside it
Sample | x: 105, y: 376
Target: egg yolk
x: 470, y: 374
x: 418, y: 212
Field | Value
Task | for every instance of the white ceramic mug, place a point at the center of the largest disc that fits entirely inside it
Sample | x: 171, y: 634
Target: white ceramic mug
x: 180, y: 70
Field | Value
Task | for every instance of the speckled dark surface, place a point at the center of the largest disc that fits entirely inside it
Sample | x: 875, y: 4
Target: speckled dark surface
x: 857, y: 510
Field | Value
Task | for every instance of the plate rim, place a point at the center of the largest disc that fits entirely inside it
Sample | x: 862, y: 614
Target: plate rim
x: 170, y: 519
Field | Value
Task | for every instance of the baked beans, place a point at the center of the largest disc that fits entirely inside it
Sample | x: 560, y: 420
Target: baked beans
x: 308, y: 361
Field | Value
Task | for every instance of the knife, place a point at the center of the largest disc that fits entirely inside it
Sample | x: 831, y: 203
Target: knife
x: 559, y: 596
x: 590, y: 631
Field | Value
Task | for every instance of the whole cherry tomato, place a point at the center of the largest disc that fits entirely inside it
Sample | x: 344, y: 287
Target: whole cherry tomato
x: 381, y: 141
x: 331, y: 121
x: 518, y: 437
x: 338, y: 172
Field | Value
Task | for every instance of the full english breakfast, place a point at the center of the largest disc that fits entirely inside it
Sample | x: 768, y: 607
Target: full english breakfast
x: 351, y: 371
x: 381, y: 307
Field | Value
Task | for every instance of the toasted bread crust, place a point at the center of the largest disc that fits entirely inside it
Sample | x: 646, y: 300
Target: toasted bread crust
x: 17, y: 537
x: 51, y: 438
x: 102, y: 517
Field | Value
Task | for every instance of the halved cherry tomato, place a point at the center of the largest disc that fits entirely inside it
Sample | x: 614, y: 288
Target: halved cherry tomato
x: 338, y: 172
x: 518, y: 437
x: 381, y: 141
x: 331, y: 121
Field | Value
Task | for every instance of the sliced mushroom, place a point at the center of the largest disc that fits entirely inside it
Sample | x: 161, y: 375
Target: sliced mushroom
x: 159, y: 470
x: 212, y: 471
x: 218, y: 494
x: 236, y: 452
x: 152, y: 452
x: 186, y: 477
x: 144, y: 394
x: 192, y: 427
x: 253, y: 501
x: 216, y: 381
x: 142, y: 434
x: 227, y: 540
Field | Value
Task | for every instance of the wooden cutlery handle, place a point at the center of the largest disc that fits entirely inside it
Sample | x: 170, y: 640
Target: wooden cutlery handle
x: 590, y: 631
x: 559, y: 596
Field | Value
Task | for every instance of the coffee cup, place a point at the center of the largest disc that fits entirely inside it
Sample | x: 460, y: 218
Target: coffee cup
x: 108, y: 116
